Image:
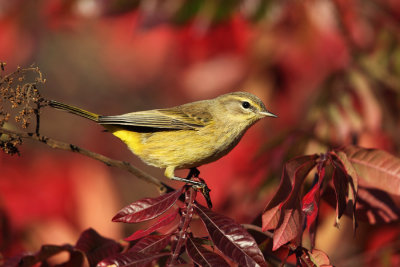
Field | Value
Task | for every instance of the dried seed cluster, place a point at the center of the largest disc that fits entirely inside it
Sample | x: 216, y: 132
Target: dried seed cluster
x: 19, y: 91
x: 10, y: 144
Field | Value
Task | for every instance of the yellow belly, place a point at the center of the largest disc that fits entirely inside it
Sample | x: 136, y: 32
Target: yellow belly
x: 132, y: 139
x: 180, y: 149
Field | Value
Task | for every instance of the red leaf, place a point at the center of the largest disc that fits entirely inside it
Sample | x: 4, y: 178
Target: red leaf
x: 314, y: 258
x: 352, y: 181
x: 231, y: 238
x: 271, y: 215
x: 345, y: 181
x: 341, y: 189
x: 349, y: 168
x: 310, y: 206
x: 319, y: 258
x: 377, y: 167
x: 96, y: 247
x: 147, y: 208
x: 290, y: 227
x: 131, y: 259
x: 151, y: 244
x: 287, y: 217
x: 160, y: 223
x: 202, y: 256
x: 311, y: 200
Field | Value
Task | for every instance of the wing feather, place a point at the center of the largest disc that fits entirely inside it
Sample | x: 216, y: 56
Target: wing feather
x: 178, y: 118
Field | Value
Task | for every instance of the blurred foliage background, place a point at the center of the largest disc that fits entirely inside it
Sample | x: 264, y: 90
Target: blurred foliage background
x: 330, y: 69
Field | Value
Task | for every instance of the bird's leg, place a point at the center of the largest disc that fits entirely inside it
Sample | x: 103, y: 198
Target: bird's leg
x: 195, y: 183
x: 206, y: 193
x: 169, y: 172
x: 194, y: 172
x: 198, y: 184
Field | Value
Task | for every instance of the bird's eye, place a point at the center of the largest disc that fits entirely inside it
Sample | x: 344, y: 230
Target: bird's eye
x: 245, y: 104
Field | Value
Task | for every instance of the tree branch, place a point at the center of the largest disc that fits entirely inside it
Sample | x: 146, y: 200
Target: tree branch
x: 106, y: 160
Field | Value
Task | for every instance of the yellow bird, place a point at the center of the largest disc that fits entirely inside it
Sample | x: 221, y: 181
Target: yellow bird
x: 186, y: 136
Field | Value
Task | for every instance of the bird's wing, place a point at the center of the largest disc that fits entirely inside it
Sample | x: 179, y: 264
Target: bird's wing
x: 178, y: 118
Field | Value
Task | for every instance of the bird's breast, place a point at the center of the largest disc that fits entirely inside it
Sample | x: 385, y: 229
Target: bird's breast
x: 182, y: 148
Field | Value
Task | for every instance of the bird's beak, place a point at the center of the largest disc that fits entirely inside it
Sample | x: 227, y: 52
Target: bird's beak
x: 268, y: 114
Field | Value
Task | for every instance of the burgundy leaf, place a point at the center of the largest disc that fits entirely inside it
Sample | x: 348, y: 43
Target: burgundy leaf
x: 271, y: 215
x: 45, y: 252
x: 151, y: 244
x: 287, y: 217
x: 131, y: 259
x: 341, y: 189
x: 349, y: 168
x: 96, y: 247
x: 341, y: 160
x: 202, y: 256
x: 147, y: 208
x: 160, y: 223
x: 290, y: 227
x: 231, y: 238
x: 345, y: 186
x: 377, y: 167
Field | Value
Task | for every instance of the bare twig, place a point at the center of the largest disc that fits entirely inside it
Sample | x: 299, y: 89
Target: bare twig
x: 258, y: 229
x: 186, y: 218
x: 106, y: 160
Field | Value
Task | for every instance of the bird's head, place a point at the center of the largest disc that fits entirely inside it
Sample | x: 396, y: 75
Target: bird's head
x: 241, y: 107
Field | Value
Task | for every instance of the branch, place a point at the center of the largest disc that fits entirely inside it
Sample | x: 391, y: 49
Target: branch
x: 256, y: 228
x: 106, y: 160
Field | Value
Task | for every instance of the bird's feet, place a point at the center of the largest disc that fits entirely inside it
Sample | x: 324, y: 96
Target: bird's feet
x: 205, y: 191
x: 194, y: 173
x: 197, y: 183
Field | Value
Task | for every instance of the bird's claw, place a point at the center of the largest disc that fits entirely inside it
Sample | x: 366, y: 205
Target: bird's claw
x: 205, y: 191
x: 197, y: 183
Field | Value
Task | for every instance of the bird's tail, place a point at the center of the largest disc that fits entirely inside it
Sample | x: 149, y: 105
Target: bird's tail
x: 74, y: 110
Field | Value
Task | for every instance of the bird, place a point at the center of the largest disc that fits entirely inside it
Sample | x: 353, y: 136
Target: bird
x: 185, y: 136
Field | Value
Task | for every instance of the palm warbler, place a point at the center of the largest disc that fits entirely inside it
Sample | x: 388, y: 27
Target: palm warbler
x: 185, y: 136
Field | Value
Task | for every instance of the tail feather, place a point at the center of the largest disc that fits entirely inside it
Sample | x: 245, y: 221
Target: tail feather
x: 74, y: 110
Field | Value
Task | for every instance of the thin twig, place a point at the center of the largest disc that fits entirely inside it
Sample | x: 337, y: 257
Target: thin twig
x: 106, y: 160
x: 6, y: 77
x: 186, y: 218
x: 258, y: 229
x: 36, y: 111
